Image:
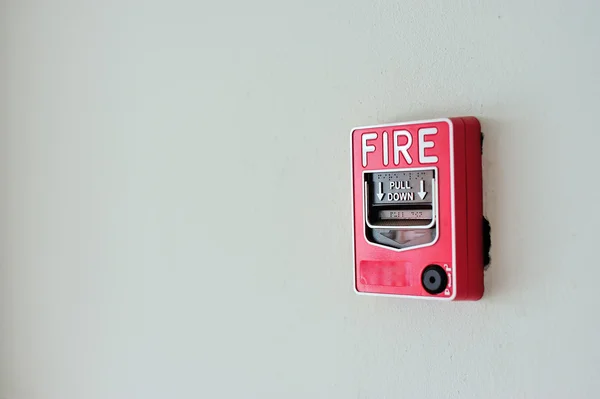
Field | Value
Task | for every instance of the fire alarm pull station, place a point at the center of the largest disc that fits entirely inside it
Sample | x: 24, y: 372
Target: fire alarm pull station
x: 418, y: 209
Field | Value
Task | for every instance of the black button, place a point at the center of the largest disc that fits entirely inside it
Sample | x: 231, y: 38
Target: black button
x: 434, y: 279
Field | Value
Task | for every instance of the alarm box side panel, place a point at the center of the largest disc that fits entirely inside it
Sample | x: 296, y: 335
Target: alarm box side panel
x: 475, y: 207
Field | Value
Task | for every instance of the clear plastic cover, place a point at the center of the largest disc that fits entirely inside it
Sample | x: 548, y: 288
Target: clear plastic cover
x: 400, y: 207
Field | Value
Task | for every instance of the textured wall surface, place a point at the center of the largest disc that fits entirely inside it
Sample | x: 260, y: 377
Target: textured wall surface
x: 175, y: 209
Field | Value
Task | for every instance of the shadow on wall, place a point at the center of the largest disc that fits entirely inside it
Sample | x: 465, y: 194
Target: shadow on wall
x: 491, y: 174
x: 486, y: 228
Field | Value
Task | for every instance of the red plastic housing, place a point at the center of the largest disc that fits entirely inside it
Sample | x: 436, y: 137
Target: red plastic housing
x: 454, y: 152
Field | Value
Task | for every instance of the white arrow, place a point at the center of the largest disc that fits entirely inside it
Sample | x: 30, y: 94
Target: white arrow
x: 380, y: 193
x: 422, y: 193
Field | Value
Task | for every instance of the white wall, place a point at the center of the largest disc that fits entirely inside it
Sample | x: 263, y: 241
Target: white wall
x: 175, y: 209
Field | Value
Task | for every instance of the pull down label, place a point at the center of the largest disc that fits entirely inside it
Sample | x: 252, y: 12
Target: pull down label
x: 402, y: 187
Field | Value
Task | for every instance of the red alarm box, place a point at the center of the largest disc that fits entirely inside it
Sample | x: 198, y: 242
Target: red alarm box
x: 418, y: 209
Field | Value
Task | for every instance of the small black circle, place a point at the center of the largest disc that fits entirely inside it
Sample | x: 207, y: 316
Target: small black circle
x: 434, y: 279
